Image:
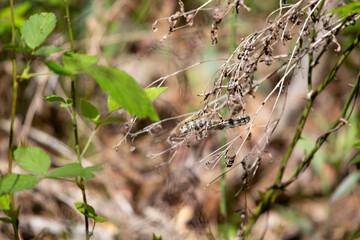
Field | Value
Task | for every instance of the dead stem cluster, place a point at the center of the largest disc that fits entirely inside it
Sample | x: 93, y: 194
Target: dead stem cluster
x: 280, y: 45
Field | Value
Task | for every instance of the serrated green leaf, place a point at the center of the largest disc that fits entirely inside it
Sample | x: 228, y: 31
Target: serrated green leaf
x: 76, y: 61
x: 74, y: 170
x: 89, y: 111
x: 57, y: 68
x: 12, y: 183
x: 90, y: 212
x: 54, y: 98
x: 37, y: 28
x: 47, y: 50
x: 151, y: 93
x: 346, y: 186
x: 32, y: 159
x: 112, y: 120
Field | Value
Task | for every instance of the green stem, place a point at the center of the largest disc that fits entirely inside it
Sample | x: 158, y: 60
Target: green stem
x: 80, y: 181
x: 271, y: 195
x: 223, y: 202
x: 40, y: 74
x: 68, y: 19
x: 309, y: 104
x: 11, y: 131
x: 223, y: 205
x: 323, y: 138
x: 88, y: 142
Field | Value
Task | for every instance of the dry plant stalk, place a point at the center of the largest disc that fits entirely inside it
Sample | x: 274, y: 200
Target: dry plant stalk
x: 234, y: 84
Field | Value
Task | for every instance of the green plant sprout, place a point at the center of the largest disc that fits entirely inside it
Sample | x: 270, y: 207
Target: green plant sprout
x: 123, y: 91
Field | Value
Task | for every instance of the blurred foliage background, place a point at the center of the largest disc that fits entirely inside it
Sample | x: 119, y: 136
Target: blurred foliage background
x: 137, y: 196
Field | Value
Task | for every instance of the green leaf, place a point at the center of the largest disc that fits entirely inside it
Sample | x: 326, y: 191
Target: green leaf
x: 100, y: 219
x: 90, y: 212
x: 54, y: 98
x: 20, y: 9
x: 111, y: 120
x: 346, y: 186
x: 37, y: 28
x: 76, y: 61
x: 355, y: 235
x: 7, y: 220
x: 89, y: 111
x: 347, y: 9
x: 5, y: 203
x: 67, y: 104
x: 74, y: 170
x: 355, y: 159
x: 151, y: 93
x: 47, y: 50
x: 32, y: 159
x: 112, y: 105
x: 12, y: 183
x: 357, y: 144
x: 25, y: 73
x: 57, y: 68
x: 157, y: 237
x: 124, y: 90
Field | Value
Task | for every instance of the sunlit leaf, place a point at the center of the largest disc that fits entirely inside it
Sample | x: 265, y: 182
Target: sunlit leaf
x: 112, y: 104
x: 151, y: 93
x: 124, y: 90
x: 54, y: 98
x: 5, y: 203
x: 37, y: 28
x: 20, y: 9
x: 32, y: 159
x: 67, y: 104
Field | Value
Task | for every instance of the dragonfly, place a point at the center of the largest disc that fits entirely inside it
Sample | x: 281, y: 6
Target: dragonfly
x: 203, y: 123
